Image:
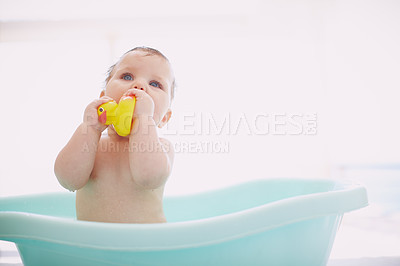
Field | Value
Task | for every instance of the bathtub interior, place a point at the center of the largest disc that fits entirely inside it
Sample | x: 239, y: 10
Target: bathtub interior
x: 185, y: 208
x: 240, y: 197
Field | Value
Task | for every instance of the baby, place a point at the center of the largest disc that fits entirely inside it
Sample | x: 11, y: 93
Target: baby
x: 121, y: 179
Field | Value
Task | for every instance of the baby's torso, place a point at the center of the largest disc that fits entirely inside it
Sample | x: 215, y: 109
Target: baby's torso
x: 111, y: 194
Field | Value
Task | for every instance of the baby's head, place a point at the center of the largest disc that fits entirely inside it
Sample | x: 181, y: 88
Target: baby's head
x: 146, y: 69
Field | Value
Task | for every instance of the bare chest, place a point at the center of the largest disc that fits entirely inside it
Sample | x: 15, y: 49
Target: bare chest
x: 112, y: 162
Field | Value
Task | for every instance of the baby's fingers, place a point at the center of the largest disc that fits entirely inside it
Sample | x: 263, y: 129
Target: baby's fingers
x: 135, y: 92
x: 132, y: 92
x: 105, y: 99
x: 97, y: 102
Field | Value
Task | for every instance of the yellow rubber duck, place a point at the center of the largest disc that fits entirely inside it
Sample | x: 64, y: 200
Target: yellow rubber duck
x: 118, y: 115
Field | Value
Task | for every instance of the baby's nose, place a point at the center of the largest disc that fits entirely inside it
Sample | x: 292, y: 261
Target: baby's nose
x: 138, y: 87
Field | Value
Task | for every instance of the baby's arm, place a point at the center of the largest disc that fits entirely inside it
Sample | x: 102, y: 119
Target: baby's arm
x: 75, y: 161
x: 150, y: 157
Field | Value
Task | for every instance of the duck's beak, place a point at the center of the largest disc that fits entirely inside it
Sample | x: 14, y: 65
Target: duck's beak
x: 103, y: 117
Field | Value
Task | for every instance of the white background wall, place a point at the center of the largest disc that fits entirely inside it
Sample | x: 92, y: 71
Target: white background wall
x: 336, y: 59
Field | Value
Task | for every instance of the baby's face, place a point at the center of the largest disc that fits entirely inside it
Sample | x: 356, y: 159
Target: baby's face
x: 150, y: 72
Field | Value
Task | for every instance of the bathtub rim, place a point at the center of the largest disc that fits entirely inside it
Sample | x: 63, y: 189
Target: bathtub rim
x: 176, y: 235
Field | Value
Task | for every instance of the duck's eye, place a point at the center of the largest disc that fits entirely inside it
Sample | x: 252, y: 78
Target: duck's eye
x: 127, y: 77
x: 101, y: 109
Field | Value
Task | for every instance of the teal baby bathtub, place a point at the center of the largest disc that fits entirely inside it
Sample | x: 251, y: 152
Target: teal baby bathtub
x: 263, y: 222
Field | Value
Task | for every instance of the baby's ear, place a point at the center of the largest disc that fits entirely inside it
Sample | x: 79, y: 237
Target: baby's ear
x: 102, y: 93
x: 165, y: 119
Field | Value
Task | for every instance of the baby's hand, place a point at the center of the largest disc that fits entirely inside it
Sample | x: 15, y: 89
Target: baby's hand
x: 144, y: 103
x: 91, y: 118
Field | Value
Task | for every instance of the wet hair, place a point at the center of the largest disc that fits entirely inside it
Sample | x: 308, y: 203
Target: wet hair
x: 148, y: 52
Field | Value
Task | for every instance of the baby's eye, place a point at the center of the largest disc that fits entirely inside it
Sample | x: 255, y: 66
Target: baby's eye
x: 127, y: 76
x: 155, y: 84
